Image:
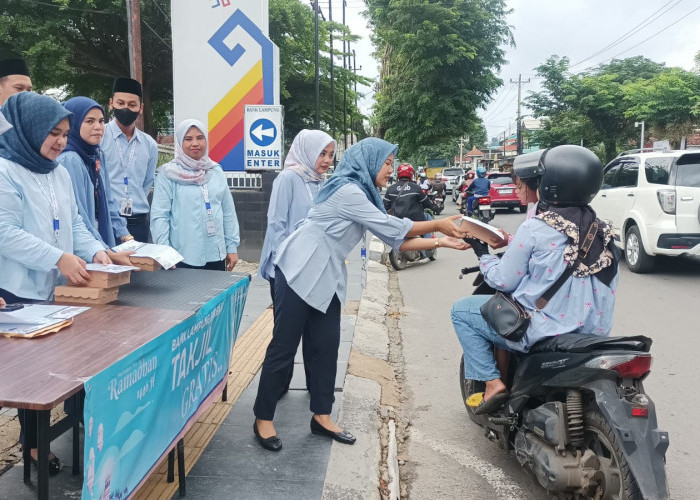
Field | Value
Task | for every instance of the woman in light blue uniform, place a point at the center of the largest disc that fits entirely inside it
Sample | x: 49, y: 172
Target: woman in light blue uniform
x: 85, y: 164
x: 293, y: 192
x: 311, y: 279
x: 42, y: 238
x: 192, y: 209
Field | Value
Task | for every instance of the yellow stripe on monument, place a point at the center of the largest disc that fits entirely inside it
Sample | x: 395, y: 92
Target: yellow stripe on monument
x: 232, y: 98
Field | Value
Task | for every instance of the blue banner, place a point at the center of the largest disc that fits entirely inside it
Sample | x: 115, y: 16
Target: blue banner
x: 136, y: 409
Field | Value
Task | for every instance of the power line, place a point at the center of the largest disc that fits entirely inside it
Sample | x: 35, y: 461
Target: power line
x: 635, y: 29
x: 497, y: 108
x: 648, y: 38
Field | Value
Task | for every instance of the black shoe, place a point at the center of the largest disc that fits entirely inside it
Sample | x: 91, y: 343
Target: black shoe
x: 494, y: 403
x: 272, y: 443
x: 342, y: 437
x: 54, y: 464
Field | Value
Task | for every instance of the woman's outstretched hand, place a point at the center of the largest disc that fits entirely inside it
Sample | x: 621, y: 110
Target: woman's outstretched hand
x: 456, y: 243
x: 447, y: 227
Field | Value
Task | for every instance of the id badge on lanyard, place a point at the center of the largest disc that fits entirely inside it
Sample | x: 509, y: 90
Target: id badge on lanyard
x: 126, y: 206
x: 211, y: 227
x: 51, y: 198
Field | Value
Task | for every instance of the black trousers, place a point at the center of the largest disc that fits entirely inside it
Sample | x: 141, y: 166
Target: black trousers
x: 214, y: 265
x: 294, y: 318
x: 305, y: 348
x: 139, y: 227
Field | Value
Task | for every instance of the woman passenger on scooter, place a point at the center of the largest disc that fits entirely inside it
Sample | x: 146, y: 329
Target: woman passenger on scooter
x: 542, y: 248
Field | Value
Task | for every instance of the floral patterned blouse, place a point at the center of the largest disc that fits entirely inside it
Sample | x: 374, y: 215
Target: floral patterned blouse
x: 533, y: 261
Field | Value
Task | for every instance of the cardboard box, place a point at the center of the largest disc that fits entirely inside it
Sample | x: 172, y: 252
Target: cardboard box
x: 85, y: 294
x: 144, y: 263
x: 100, y: 279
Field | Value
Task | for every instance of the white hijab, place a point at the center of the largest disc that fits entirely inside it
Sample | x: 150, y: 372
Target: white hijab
x: 305, y: 150
x: 184, y: 169
x: 4, y: 124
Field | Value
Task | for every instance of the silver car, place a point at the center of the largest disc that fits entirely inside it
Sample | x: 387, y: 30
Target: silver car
x: 454, y: 176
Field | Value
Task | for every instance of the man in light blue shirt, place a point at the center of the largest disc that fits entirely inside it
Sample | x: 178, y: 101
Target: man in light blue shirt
x: 130, y: 158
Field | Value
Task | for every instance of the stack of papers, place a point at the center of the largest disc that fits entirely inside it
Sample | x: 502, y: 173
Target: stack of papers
x: 34, y: 320
x: 163, y: 254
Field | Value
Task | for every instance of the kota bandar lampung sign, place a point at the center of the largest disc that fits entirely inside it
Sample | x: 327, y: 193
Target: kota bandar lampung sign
x: 223, y: 60
x: 263, y: 138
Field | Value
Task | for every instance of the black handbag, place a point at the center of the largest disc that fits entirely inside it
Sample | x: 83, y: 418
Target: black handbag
x: 506, y: 315
x: 509, y: 318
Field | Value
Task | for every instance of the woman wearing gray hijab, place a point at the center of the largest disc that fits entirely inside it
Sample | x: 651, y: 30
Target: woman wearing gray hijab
x: 192, y: 209
x: 293, y: 193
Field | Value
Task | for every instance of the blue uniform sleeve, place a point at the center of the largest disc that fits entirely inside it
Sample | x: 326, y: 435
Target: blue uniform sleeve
x: 151, y: 169
x: 357, y: 208
x: 15, y: 243
x: 82, y: 188
x: 118, y: 222
x: 506, y: 273
x: 232, y: 235
x: 161, y: 210
x: 278, y: 223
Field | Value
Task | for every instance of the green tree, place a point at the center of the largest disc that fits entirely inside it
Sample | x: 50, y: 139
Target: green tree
x: 292, y: 29
x: 81, y: 45
x: 669, y: 103
x: 592, y: 106
x: 438, y: 64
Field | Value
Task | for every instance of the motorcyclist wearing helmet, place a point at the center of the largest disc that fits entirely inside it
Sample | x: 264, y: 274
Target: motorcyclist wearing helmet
x: 423, y: 181
x: 405, y: 198
x: 438, y: 186
x: 463, y: 186
x: 480, y: 187
x: 568, y: 177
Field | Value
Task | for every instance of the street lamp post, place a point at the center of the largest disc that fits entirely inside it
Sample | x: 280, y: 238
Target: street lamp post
x: 641, y: 140
x: 318, y: 83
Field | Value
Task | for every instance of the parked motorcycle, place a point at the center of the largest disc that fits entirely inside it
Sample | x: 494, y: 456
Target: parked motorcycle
x: 399, y: 260
x: 577, y: 418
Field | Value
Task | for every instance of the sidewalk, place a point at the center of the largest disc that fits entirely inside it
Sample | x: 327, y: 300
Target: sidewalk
x: 223, y: 460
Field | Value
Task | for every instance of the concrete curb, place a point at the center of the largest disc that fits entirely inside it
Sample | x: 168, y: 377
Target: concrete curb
x: 353, y: 471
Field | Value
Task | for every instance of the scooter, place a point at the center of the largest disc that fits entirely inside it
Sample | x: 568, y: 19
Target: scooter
x: 482, y: 209
x: 577, y: 417
x: 399, y: 260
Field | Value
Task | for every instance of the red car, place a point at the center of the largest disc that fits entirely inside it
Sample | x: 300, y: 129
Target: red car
x: 503, y: 192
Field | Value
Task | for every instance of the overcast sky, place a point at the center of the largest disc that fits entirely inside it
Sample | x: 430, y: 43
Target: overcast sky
x: 573, y: 28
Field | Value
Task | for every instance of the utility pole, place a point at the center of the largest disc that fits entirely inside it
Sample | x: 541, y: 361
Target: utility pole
x: 354, y: 64
x: 346, y: 48
x: 461, y: 155
x: 318, y: 83
x: 330, y: 19
x: 519, y: 127
x: 641, y: 140
x: 133, y: 21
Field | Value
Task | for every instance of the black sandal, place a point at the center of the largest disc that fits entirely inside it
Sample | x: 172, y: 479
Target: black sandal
x: 54, y: 464
x: 492, y: 404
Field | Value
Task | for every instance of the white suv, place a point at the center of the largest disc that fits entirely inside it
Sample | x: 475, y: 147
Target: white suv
x: 653, y: 201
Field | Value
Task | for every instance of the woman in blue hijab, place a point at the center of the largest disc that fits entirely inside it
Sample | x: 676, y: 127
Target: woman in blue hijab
x: 85, y: 164
x: 311, y: 280
x: 43, y: 240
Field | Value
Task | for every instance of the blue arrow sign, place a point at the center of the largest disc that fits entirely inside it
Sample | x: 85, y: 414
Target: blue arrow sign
x: 263, y: 132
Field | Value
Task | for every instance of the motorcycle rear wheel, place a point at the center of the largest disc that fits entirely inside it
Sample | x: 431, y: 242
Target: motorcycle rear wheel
x: 398, y: 261
x: 620, y: 483
x: 469, y: 387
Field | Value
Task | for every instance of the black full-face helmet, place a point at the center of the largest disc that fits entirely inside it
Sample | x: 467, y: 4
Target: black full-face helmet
x: 568, y: 175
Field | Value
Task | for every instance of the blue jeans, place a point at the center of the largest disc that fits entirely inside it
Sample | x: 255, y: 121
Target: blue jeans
x: 477, y: 338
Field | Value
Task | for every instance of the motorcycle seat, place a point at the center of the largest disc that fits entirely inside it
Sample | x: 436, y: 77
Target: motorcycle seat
x: 587, y: 342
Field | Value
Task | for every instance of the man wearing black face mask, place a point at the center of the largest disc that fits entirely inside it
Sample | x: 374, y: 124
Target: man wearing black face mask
x: 130, y: 156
